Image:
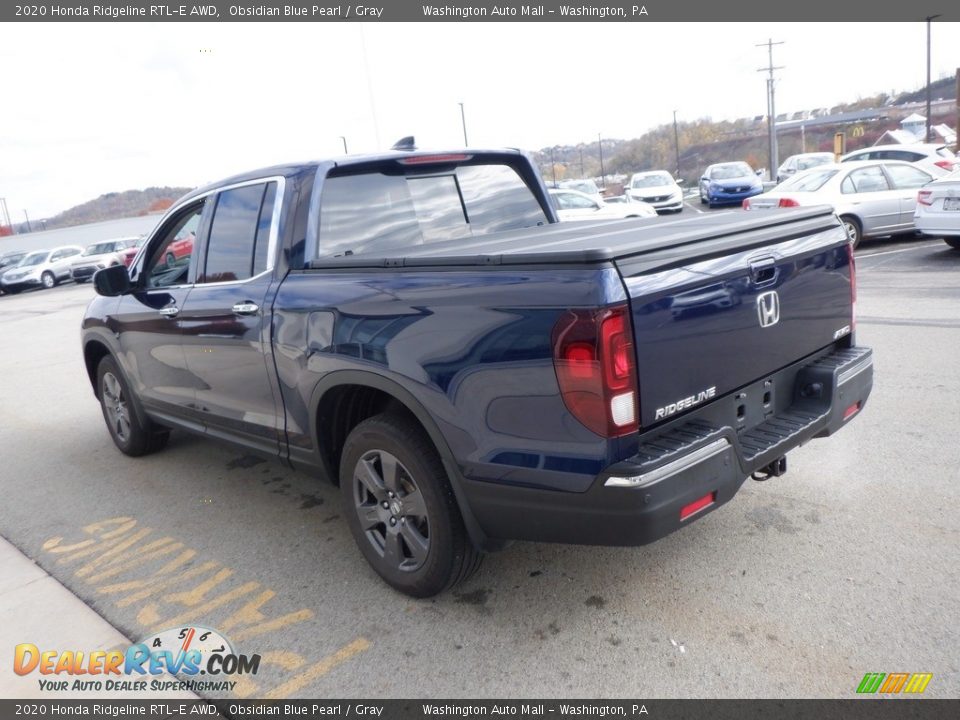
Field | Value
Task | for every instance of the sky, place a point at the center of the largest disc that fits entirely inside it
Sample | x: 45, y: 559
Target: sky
x: 90, y: 108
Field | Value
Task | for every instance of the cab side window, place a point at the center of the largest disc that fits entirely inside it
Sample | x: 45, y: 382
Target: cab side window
x: 169, y: 264
x: 239, y: 240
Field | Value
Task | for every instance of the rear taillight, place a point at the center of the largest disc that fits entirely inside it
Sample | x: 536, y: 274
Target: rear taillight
x: 924, y: 197
x: 788, y: 202
x: 594, y: 362
x: 853, y: 287
x: 944, y: 164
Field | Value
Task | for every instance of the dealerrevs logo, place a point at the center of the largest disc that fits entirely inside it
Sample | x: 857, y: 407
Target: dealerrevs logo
x: 188, y: 652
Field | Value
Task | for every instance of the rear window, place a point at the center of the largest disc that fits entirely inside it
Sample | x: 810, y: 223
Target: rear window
x: 808, y: 181
x: 374, y: 213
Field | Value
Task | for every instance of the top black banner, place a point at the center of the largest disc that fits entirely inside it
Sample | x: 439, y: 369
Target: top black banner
x: 481, y: 11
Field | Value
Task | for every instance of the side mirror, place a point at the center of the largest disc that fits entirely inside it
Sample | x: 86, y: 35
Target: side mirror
x: 679, y: 181
x: 112, y: 281
x: 758, y: 173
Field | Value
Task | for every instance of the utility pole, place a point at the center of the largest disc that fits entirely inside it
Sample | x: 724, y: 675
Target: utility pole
x: 603, y: 175
x: 771, y: 105
x: 676, y: 142
x: 5, y: 216
x: 463, y: 120
x: 930, y: 19
x: 29, y: 228
x: 553, y: 168
x: 583, y: 173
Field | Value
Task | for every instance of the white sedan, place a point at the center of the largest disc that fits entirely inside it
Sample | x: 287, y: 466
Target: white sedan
x: 574, y: 205
x: 657, y: 188
x: 938, y: 209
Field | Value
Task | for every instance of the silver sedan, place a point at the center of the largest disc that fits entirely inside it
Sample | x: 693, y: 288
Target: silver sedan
x: 872, y: 198
x: 938, y: 209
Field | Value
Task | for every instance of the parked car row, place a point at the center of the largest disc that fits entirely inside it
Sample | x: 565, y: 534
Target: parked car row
x: 22, y: 270
x: 575, y: 205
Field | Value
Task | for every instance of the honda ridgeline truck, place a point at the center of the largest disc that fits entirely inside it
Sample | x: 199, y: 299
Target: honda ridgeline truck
x: 419, y: 329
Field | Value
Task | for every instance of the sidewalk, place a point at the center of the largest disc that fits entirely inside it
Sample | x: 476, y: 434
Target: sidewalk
x: 35, y: 608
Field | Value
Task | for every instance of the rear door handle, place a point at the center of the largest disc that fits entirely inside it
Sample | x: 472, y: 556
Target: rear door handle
x: 246, y: 308
x: 170, y: 312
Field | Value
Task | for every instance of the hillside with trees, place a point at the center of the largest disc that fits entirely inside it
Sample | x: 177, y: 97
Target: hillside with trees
x: 703, y: 141
x: 114, y: 205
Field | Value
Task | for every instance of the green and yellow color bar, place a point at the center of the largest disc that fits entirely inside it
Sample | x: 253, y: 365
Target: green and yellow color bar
x: 894, y: 683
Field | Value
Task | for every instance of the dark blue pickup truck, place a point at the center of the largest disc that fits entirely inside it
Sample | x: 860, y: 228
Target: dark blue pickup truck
x: 418, y: 328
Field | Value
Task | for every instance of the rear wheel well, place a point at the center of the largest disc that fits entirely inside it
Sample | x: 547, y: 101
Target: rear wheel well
x: 344, y: 407
x: 93, y: 353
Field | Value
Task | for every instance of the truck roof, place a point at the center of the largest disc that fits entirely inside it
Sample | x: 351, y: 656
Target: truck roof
x: 291, y: 169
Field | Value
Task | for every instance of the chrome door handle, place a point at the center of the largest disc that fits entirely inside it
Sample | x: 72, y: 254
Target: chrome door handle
x: 246, y: 308
x: 170, y: 312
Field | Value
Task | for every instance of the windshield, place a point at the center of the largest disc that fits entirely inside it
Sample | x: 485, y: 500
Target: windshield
x: 728, y: 172
x: 809, y: 162
x: 99, y: 249
x: 808, y: 181
x: 589, y: 188
x: 33, y: 259
x: 657, y: 180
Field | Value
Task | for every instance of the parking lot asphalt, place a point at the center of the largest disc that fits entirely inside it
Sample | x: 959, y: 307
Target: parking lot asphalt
x: 796, y: 588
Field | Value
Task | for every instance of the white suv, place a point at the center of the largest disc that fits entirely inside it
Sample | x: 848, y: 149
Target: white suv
x: 44, y: 268
x: 98, y: 256
x: 938, y: 160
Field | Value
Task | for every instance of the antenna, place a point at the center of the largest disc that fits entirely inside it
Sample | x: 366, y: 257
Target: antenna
x: 405, y: 143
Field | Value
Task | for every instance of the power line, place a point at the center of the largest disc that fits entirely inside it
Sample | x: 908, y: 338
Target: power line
x: 771, y: 105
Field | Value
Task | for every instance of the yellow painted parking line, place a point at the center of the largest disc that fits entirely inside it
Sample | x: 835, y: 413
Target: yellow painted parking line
x: 318, y: 670
x: 154, y: 575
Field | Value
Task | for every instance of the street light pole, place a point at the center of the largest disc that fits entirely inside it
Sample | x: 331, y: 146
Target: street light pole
x: 676, y: 142
x: 603, y: 175
x: 345, y: 152
x: 930, y: 19
x: 771, y: 106
x: 463, y: 120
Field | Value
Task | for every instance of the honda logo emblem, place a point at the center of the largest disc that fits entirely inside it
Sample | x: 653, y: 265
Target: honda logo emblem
x: 768, y: 308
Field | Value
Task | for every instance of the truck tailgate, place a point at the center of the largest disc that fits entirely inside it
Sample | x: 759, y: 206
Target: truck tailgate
x: 713, y: 317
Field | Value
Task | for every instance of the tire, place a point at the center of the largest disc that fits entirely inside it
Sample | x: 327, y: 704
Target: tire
x: 405, y: 521
x: 853, y: 228
x: 953, y: 242
x: 703, y: 200
x: 47, y: 280
x: 171, y: 260
x: 133, y: 433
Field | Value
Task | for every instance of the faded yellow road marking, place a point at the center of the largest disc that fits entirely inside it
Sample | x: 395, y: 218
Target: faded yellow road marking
x: 318, y: 670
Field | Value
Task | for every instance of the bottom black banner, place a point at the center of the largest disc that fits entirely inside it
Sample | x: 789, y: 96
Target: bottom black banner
x: 865, y: 709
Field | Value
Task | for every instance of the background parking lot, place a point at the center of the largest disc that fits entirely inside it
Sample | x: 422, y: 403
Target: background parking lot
x: 796, y: 588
